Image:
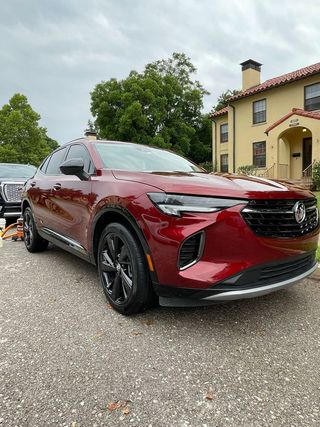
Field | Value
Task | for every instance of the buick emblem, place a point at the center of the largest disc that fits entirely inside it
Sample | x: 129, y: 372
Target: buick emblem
x: 299, y: 211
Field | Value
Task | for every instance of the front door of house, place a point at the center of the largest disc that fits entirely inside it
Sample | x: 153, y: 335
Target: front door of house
x: 307, y: 153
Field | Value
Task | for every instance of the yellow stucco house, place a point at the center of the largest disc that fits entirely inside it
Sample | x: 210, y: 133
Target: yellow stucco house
x: 274, y: 126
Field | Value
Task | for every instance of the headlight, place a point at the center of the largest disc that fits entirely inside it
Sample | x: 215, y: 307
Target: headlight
x: 176, y: 204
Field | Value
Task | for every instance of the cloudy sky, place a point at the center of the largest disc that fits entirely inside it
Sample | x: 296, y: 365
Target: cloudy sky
x: 55, y: 51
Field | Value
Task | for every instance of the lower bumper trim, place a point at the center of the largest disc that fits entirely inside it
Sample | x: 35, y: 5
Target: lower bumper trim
x: 250, y: 283
x: 12, y: 214
x: 259, y: 291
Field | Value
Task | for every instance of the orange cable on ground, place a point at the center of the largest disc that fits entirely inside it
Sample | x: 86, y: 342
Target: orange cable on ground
x: 16, y: 234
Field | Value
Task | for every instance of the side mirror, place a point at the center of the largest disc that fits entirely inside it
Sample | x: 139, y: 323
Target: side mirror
x: 74, y: 167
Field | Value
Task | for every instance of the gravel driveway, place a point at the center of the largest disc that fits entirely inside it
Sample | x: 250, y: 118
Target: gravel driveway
x: 68, y: 359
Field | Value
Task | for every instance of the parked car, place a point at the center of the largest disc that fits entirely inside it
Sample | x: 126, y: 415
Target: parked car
x: 12, y: 178
x: 157, y: 225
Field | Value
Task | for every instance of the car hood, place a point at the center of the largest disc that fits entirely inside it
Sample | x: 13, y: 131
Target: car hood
x: 215, y: 185
x: 13, y: 180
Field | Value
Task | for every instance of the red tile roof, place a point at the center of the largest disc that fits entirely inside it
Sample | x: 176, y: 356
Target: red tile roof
x: 281, y: 80
x: 219, y: 112
x: 295, y: 111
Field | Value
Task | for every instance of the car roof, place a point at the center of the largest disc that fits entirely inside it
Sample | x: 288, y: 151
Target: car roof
x: 104, y: 141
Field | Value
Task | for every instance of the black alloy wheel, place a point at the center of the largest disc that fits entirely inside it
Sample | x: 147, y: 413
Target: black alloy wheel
x: 117, y: 269
x: 28, y: 228
x: 122, y: 269
x: 32, y: 240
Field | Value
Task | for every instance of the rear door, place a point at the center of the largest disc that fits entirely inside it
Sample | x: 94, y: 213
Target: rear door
x: 40, y: 188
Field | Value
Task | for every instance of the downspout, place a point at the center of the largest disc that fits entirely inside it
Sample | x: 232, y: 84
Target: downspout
x: 214, y: 163
x: 233, y: 137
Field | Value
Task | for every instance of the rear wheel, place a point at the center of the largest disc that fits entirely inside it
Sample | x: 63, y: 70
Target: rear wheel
x: 122, y: 270
x: 32, y: 239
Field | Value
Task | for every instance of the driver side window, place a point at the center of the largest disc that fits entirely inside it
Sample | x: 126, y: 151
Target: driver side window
x: 53, y: 167
x: 78, y: 151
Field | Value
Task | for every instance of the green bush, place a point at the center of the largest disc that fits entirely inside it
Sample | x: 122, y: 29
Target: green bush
x: 246, y: 170
x: 208, y: 166
x: 316, y: 175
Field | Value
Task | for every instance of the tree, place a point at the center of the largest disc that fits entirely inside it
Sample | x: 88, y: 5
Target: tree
x: 160, y: 106
x: 223, y: 99
x: 22, y: 140
x: 201, y: 143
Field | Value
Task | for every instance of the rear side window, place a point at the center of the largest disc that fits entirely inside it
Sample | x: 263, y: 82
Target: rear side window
x: 44, y: 165
x: 78, y: 151
x: 55, y: 161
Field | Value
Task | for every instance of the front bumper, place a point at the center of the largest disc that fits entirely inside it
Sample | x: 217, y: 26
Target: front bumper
x: 250, y: 283
x: 10, y: 210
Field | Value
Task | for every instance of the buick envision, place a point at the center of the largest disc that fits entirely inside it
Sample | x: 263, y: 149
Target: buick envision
x: 157, y: 225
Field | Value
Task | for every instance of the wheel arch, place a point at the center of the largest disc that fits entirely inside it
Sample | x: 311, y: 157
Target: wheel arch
x: 113, y: 214
x: 24, y: 205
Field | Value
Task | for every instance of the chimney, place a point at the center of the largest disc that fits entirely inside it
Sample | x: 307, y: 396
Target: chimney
x: 250, y: 74
x: 90, y: 134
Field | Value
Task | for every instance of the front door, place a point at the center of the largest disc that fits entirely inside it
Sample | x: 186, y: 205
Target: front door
x: 71, y: 200
x: 307, y: 153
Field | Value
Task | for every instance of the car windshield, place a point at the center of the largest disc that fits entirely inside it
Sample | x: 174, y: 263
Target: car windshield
x: 16, y: 171
x: 141, y: 158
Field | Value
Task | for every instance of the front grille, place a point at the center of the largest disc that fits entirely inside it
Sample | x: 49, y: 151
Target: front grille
x: 276, y: 218
x: 190, y: 251
x: 268, y: 274
x: 11, y: 191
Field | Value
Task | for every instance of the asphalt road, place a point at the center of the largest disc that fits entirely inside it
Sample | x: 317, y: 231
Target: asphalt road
x: 68, y: 359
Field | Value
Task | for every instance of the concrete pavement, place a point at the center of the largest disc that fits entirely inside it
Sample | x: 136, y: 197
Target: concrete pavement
x: 68, y: 359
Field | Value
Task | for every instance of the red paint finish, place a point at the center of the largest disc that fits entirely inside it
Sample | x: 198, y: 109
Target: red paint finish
x: 71, y: 207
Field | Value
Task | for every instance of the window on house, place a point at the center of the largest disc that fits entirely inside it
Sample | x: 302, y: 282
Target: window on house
x: 259, y: 154
x: 224, y: 132
x: 312, y: 97
x: 259, y: 111
x: 224, y: 163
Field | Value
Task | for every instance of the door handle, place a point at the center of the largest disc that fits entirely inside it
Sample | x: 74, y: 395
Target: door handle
x: 57, y: 186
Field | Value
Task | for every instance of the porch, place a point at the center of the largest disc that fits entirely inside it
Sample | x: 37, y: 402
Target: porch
x: 292, y: 150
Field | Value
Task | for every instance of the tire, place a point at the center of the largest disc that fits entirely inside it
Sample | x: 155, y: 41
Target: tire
x: 123, y: 271
x: 32, y: 239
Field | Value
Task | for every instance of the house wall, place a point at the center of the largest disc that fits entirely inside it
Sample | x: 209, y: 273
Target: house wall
x: 221, y: 147
x: 280, y: 101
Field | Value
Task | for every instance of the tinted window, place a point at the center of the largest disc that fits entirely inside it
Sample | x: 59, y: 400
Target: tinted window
x: 55, y: 161
x: 79, y: 152
x: 44, y: 165
x: 8, y: 170
x: 135, y: 157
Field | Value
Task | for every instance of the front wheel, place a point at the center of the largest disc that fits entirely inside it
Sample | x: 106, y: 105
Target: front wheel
x: 32, y: 239
x: 122, y: 270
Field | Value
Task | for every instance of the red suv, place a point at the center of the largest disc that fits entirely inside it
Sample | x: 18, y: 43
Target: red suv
x: 157, y: 225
